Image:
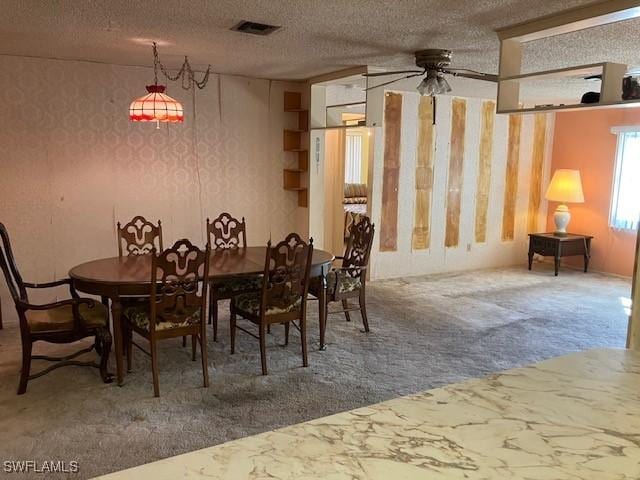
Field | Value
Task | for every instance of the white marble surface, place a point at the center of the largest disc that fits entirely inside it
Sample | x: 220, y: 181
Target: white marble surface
x: 572, y: 417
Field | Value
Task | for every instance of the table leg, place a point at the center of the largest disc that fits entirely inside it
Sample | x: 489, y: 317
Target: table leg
x: 322, y: 308
x: 116, y: 315
x: 587, y: 254
x: 557, y: 264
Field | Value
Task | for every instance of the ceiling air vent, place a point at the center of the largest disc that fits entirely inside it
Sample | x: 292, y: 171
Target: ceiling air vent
x: 254, y: 28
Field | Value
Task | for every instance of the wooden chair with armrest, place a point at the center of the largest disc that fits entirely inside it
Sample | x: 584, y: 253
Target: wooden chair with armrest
x: 282, y: 298
x: 348, y: 280
x: 176, y: 305
x: 64, y: 321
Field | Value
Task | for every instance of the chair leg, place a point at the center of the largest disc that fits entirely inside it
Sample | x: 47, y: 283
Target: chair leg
x: 286, y: 333
x: 128, y: 338
x: 103, y: 337
x: 345, y: 305
x: 213, y: 314
x: 232, y: 329
x: 204, y: 357
x: 26, y: 365
x: 184, y: 341
x: 363, y: 311
x: 322, y: 313
x: 303, y: 339
x: 154, y: 368
x: 263, y: 348
x: 193, y: 348
x: 210, y: 319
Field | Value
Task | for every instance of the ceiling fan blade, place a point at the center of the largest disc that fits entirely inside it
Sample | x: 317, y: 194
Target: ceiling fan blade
x: 394, y: 81
x: 487, y: 77
x: 380, y: 74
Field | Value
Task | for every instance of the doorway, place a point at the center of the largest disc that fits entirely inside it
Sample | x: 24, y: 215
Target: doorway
x: 348, y: 160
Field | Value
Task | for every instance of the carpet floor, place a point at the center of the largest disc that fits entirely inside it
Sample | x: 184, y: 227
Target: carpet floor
x: 426, y: 332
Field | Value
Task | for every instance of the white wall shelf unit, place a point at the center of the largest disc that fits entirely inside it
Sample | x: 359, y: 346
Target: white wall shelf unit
x: 510, y: 74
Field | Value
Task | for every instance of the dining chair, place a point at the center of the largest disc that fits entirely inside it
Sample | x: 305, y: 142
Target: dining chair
x: 139, y: 237
x: 348, y: 280
x: 282, y: 298
x: 176, y: 306
x: 227, y: 233
x: 64, y: 321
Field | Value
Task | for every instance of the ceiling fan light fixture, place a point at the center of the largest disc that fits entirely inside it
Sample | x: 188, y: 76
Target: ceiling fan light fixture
x: 433, y: 84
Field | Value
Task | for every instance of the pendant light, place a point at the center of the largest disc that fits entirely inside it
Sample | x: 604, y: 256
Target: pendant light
x: 157, y: 106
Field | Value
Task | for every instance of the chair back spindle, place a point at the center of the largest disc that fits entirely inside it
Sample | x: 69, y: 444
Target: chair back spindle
x: 226, y: 232
x: 139, y: 237
x: 358, y: 247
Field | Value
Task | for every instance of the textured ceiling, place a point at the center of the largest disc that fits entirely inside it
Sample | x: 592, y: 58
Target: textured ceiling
x: 317, y: 36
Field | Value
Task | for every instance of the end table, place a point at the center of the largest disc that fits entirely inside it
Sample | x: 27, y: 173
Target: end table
x: 552, y: 245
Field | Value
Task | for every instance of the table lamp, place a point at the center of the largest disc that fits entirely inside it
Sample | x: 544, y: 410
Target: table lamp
x: 565, y: 187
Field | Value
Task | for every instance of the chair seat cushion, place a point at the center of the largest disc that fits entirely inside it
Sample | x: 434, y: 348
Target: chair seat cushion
x: 237, y: 285
x: 347, y: 283
x: 250, y: 303
x: 61, y: 318
x: 138, y: 313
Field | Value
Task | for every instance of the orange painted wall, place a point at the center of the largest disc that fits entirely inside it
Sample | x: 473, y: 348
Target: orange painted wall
x: 583, y: 141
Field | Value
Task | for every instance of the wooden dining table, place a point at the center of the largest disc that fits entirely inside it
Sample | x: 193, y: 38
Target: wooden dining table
x: 117, y: 277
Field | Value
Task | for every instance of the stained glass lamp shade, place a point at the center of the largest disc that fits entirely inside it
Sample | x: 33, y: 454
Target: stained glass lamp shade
x: 156, y: 106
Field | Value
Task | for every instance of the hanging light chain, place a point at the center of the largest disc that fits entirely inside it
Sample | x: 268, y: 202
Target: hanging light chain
x: 186, y: 73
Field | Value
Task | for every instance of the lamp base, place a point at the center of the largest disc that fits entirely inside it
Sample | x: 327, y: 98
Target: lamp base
x: 561, y: 217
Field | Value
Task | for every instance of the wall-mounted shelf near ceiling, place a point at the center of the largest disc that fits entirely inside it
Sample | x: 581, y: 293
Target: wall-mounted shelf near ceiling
x: 293, y: 141
x: 610, y: 88
x: 512, y: 39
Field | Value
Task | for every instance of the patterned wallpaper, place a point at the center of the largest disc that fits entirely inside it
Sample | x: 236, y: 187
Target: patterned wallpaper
x: 71, y: 163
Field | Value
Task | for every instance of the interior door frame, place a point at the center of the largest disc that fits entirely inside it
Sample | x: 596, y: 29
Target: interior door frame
x: 633, y: 330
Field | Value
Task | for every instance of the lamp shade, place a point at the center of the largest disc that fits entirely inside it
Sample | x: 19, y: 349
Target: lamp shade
x: 156, y: 106
x: 565, y: 187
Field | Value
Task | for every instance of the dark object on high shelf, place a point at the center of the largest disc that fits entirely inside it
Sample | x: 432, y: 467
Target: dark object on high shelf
x: 590, y: 97
x: 630, y: 88
x: 551, y: 245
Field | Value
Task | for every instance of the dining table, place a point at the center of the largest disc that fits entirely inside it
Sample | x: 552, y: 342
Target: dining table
x: 128, y: 276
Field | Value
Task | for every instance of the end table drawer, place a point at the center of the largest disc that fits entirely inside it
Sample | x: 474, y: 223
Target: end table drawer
x: 542, y: 246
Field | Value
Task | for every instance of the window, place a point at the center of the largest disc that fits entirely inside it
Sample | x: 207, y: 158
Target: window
x: 625, y: 203
x: 353, y: 160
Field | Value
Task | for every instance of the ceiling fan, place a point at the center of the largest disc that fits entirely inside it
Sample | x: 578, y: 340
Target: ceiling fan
x: 435, y: 65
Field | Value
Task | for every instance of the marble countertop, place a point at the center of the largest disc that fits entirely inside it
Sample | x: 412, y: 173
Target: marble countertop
x: 572, y: 417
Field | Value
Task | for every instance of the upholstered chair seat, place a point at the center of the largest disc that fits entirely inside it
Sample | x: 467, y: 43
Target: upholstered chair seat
x: 60, y: 319
x: 233, y: 286
x: 140, y: 313
x: 347, y: 282
x: 250, y: 303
